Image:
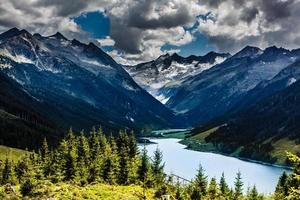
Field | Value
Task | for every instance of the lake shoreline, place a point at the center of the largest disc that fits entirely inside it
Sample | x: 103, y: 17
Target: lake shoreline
x: 184, y: 162
x: 205, y: 147
x: 238, y: 157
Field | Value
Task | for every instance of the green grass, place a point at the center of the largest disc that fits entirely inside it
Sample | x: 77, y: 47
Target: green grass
x: 201, y: 136
x: 63, y: 191
x: 281, y: 147
x: 11, y: 153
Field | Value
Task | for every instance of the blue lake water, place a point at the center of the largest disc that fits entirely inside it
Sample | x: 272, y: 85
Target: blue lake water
x: 184, y: 163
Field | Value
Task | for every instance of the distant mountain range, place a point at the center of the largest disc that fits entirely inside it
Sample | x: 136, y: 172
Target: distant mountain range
x: 67, y: 83
x: 251, y: 96
x: 162, y: 77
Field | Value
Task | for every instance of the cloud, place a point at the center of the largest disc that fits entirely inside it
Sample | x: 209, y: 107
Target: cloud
x: 236, y: 23
x: 106, y: 41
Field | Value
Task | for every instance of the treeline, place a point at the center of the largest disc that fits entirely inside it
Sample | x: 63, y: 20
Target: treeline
x: 95, y: 158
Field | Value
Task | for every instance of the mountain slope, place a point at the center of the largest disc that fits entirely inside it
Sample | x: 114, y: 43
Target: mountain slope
x: 221, y: 88
x: 21, y: 122
x: 80, y: 84
x: 264, y: 127
x: 162, y: 77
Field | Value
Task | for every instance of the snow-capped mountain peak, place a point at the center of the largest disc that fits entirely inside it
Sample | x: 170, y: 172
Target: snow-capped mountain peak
x: 162, y: 76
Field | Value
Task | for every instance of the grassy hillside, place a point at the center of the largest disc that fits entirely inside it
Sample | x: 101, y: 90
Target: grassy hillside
x: 199, y: 141
x: 65, y: 191
x: 11, y: 153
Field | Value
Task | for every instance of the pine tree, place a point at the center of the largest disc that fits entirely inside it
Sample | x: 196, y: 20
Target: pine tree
x: 213, y: 189
x: 83, y: 152
x: 282, y: 187
x: 83, y: 149
x: 158, y: 167
x: 123, y: 175
x: 110, y: 164
x: 201, y: 181
x: 238, y: 187
x: 132, y: 145
x: 94, y: 144
x: 95, y: 157
x: 69, y: 156
x: 23, y: 169
x: 45, y: 158
x: 8, y: 175
x: 253, y: 194
x: 223, y: 185
x: 144, y: 169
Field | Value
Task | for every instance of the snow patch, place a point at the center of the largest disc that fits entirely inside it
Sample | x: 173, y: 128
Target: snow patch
x: 291, y: 81
x: 17, y: 58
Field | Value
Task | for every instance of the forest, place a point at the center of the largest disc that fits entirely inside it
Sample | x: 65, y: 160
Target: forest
x: 83, y: 165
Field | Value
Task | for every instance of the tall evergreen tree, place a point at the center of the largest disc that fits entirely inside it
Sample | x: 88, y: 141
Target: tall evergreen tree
x: 144, y: 169
x: 213, y: 189
x: 201, y: 181
x: 132, y: 145
x: 253, y: 194
x: 23, y: 168
x: 238, y: 187
x: 282, y: 187
x: 8, y: 175
x: 223, y: 185
x: 123, y: 175
x: 158, y: 167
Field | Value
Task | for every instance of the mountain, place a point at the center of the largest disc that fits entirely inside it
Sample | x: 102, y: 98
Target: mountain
x: 22, y: 124
x: 162, y: 77
x: 265, y: 130
x: 223, y: 88
x: 79, y: 84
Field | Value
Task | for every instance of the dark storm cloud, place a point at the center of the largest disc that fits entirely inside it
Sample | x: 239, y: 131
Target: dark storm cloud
x: 212, y: 3
x: 276, y: 9
x: 127, y: 32
x: 65, y: 8
x: 249, y: 14
x: 26, y: 8
x: 138, y: 17
x: 126, y: 38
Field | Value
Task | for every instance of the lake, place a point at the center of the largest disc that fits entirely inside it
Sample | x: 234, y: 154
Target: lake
x: 184, y: 163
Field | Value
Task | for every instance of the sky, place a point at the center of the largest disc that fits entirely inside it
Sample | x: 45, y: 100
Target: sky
x: 134, y: 31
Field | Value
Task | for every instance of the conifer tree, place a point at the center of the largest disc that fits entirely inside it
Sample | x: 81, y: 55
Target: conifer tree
x: 132, y: 145
x: 282, y: 187
x: 201, y: 181
x: 8, y: 175
x: 158, y: 167
x: 253, y: 194
x: 95, y: 157
x: 44, y: 151
x: 45, y: 158
x: 144, y: 169
x: 224, y: 189
x: 94, y: 144
x: 213, y: 189
x: 238, y: 187
x: 83, y: 149
x: 23, y: 169
x: 123, y: 175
